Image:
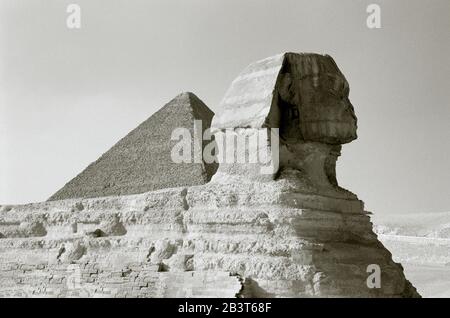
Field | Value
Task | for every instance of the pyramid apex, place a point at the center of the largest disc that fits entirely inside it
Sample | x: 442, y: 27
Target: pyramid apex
x: 189, y: 97
x: 192, y: 101
x: 186, y: 95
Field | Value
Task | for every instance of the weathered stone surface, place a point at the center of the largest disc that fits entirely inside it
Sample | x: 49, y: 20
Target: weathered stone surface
x: 22, y: 229
x: 278, y: 241
x: 141, y: 161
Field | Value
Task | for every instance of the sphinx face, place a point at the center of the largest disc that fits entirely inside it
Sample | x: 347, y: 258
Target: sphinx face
x: 327, y: 114
x: 315, y: 107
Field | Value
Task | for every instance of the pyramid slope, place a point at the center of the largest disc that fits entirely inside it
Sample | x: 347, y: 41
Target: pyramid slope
x: 141, y: 161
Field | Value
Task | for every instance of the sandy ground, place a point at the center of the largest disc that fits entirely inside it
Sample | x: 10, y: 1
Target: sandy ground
x: 430, y: 281
x: 421, y: 243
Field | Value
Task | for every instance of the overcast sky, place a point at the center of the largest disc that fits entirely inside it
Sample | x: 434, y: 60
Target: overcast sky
x: 66, y: 96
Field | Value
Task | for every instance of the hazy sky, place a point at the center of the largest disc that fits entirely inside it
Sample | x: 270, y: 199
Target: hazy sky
x: 66, y: 96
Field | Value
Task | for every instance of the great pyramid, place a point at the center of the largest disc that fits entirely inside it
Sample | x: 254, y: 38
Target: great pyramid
x: 141, y: 161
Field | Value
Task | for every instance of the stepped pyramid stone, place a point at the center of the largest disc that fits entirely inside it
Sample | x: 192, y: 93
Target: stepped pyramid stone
x: 141, y: 161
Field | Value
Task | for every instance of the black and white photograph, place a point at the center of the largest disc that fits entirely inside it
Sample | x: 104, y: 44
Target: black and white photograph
x: 224, y: 149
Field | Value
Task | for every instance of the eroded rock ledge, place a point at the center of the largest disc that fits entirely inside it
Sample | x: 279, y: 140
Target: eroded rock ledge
x: 251, y: 240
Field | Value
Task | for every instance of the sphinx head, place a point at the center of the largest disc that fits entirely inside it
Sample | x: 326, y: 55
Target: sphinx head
x: 305, y: 97
x: 311, y: 101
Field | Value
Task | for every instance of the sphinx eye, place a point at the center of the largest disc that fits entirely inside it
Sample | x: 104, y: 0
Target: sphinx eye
x: 335, y: 86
